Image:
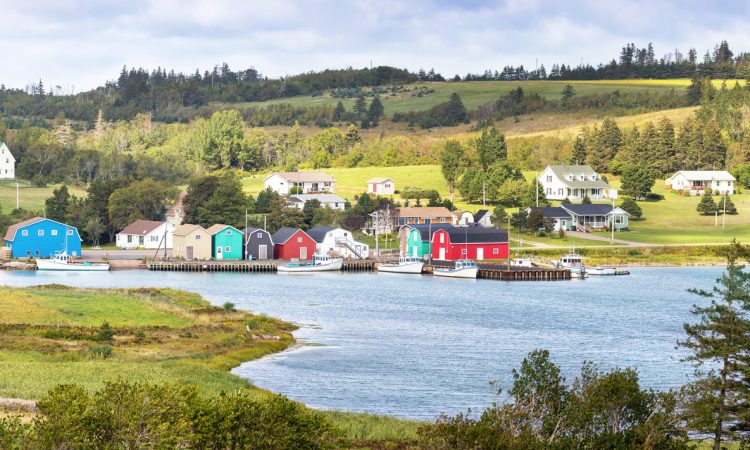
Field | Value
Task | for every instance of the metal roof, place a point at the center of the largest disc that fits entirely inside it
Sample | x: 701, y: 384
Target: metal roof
x: 319, y: 233
x: 284, y: 234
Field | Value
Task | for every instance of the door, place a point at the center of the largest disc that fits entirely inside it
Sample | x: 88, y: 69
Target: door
x: 218, y: 252
x: 303, y: 253
x: 262, y: 252
x: 189, y: 252
x: 415, y: 251
x: 480, y: 254
x: 140, y: 241
x: 442, y: 253
x: 374, y: 188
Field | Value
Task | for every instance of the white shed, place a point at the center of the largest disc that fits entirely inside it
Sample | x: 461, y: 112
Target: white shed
x: 338, y: 241
x: 381, y: 186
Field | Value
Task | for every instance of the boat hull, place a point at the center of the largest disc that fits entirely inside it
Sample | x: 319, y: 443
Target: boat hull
x: 44, y: 264
x: 414, y: 268
x: 330, y: 267
x: 601, y: 270
x: 457, y: 273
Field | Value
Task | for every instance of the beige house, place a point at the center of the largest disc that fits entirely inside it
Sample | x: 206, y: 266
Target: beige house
x: 424, y: 215
x: 191, y: 242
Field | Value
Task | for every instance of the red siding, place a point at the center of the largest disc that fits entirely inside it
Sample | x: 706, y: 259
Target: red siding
x: 291, y: 248
x: 454, y: 251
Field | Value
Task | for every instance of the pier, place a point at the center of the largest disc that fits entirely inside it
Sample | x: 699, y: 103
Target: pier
x: 212, y: 266
x: 490, y: 271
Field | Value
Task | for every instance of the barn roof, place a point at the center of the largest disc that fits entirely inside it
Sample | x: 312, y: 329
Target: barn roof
x: 319, y: 233
x: 11, y: 233
x: 424, y: 230
x: 284, y: 234
x: 141, y: 227
x: 476, y: 235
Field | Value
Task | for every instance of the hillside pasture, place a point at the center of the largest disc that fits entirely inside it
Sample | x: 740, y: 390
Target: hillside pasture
x: 30, y: 197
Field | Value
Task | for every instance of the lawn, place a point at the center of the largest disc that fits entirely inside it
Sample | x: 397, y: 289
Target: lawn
x: 30, y: 197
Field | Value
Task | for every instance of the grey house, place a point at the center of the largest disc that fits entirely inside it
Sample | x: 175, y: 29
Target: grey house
x: 258, y: 244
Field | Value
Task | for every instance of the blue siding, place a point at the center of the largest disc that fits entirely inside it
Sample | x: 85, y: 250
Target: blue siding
x: 51, y: 241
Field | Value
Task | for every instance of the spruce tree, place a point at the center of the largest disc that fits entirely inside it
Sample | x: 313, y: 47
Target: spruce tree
x: 707, y: 206
x: 375, y: 112
x: 339, y: 112
x: 719, y: 399
x: 726, y: 206
x: 578, y: 155
x: 586, y: 200
x: 630, y: 206
x: 360, y: 107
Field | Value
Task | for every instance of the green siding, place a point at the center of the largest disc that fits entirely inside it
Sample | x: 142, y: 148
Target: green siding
x: 228, y: 237
x: 415, y: 243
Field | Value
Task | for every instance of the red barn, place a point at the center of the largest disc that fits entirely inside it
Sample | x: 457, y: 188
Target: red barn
x: 291, y: 243
x: 473, y: 242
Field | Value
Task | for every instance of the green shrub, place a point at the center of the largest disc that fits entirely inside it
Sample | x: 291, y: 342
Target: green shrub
x: 229, y: 306
x: 106, y: 333
x: 101, y: 351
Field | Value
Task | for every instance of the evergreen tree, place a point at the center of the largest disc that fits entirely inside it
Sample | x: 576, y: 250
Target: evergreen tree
x: 264, y: 200
x: 535, y: 220
x: 578, y: 155
x: 630, y: 206
x: 586, y: 200
x: 375, y: 112
x: 491, y: 148
x: 309, y: 210
x: 499, y: 216
x: 726, y: 206
x: 339, y: 112
x: 565, y: 201
x: 360, y: 107
x: 637, y: 181
x: 607, y: 142
x: 56, y: 207
x: 455, y: 112
x: 719, y: 403
x: 567, y: 95
x: 707, y: 206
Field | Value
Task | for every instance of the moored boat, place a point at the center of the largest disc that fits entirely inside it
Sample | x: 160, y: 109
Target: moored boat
x: 464, y: 268
x: 405, y: 264
x: 598, y: 270
x: 573, y: 262
x: 63, y: 262
x: 320, y: 263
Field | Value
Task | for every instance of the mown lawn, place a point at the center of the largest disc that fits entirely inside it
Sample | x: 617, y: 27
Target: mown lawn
x: 30, y: 197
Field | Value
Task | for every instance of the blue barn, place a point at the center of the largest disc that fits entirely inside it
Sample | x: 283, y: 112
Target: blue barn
x: 42, y: 238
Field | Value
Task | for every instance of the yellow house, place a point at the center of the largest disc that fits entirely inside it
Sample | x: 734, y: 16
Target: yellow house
x: 191, y: 242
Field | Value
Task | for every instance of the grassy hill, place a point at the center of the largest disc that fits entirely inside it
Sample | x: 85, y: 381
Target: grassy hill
x: 476, y: 93
x: 30, y: 197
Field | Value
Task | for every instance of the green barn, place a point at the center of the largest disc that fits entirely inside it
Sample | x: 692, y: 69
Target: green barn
x: 226, y: 242
x: 418, y: 241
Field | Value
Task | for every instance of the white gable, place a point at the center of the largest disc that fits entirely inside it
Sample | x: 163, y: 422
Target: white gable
x: 7, y: 162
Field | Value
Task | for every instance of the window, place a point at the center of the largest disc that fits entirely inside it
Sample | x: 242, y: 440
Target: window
x: 24, y: 232
x: 130, y: 238
x: 40, y: 233
x: 549, y: 178
x: 154, y: 238
x: 495, y: 251
x: 197, y: 237
x: 463, y: 251
x: 426, y: 221
x: 69, y: 233
x: 560, y: 191
x: 53, y: 232
x: 549, y: 191
x: 259, y: 235
x: 227, y: 249
x: 442, y: 238
x: 299, y: 239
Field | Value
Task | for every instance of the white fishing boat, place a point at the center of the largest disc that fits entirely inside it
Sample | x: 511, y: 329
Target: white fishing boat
x: 597, y: 270
x: 521, y: 262
x: 406, y: 264
x: 61, y: 261
x: 464, y: 268
x: 573, y: 262
x: 320, y: 263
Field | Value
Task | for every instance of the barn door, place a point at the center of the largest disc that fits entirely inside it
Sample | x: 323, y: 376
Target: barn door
x: 442, y: 253
x: 303, y: 253
x: 262, y: 252
x: 480, y: 254
x: 189, y: 252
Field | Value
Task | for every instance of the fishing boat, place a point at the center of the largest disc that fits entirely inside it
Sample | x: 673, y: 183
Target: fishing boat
x: 573, y: 262
x: 521, y: 262
x: 320, y: 263
x: 405, y: 264
x: 597, y: 270
x: 63, y: 262
x: 464, y: 268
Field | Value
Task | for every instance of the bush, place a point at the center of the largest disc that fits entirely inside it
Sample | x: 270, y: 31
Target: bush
x: 229, y: 306
x: 101, y: 351
x: 106, y: 333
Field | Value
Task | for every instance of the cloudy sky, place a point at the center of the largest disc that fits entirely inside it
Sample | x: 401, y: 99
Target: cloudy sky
x: 79, y: 44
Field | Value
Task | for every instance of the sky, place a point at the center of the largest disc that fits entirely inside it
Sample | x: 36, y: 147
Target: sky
x: 78, y: 45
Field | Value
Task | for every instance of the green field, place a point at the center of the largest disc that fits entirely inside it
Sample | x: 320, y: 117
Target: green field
x: 476, y: 93
x: 30, y: 197
x: 673, y: 220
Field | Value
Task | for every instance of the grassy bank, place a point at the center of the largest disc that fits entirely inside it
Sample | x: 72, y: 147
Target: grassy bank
x: 51, y: 335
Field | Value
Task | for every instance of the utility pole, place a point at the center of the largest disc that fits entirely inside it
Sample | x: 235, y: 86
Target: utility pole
x: 245, y: 236
x: 724, y: 216
x: 18, y: 204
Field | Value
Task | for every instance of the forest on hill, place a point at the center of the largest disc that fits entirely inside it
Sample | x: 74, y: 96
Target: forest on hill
x: 171, y: 96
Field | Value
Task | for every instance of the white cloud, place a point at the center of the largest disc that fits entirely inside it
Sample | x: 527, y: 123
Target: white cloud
x: 85, y: 43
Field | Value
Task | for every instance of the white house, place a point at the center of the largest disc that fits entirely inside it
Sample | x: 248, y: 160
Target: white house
x: 585, y: 217
x: 309, y: 182
x: 381, y: 186
x: 145, y: 234
x: 332, y: 201
x: 7, y: 162
x: 483, y: 217
x: 573, y: 182
x: 339, y: 242
x: 695, y: 182
x: 464, y: 218
x: 176, y: 213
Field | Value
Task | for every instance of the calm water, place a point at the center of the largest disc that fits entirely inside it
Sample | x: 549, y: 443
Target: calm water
x: 416, y: 346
